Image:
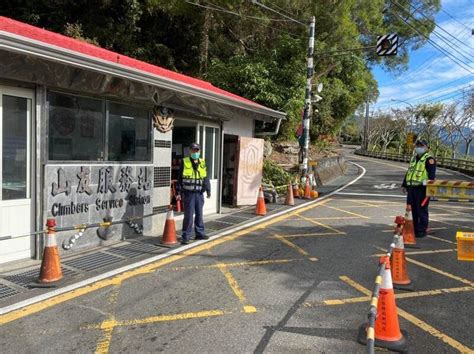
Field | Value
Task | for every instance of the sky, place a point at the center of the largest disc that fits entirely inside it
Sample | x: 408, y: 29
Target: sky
x: 432, y: 76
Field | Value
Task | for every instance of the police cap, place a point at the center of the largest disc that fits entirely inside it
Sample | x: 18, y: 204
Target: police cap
x: 195, y: 146
x: 421, y: 142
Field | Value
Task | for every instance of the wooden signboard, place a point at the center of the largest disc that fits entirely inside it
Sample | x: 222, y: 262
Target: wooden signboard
x: 249, y: 170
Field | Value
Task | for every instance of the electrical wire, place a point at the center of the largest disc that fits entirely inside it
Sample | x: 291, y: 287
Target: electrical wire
x: 279, y: 13
x: 440, y: 36
x: 438, y: 47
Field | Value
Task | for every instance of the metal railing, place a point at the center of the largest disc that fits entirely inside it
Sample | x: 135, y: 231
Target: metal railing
x: 465, y: 166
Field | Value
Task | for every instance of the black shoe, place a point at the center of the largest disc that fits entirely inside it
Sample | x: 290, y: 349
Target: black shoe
x: 184, y: 241
x: 202, y: 237
x: 420, y: 234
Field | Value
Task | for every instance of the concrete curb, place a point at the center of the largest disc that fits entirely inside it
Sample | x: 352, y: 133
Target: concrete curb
x: 128, y: 267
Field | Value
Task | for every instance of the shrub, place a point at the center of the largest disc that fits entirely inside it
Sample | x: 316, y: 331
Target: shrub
x: 272, y: 173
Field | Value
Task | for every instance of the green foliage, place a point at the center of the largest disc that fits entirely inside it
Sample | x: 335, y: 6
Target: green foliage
x: 248, y: 50
x: 272, y: 173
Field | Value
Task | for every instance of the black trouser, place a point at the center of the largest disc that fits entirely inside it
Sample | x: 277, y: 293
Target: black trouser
x: 416, y: 196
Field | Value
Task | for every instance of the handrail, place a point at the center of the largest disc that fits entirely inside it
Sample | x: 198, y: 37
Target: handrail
x: 466, y: 166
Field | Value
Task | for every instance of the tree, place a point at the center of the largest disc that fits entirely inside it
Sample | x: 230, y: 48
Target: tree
x: 466, y: 126
x: 246, y: 49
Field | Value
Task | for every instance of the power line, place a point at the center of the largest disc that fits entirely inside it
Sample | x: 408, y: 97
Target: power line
x: 442, y: 38
x: 279, y: 13
x: 249, y: 18
x: 462, y: 24
x: 438, y: 47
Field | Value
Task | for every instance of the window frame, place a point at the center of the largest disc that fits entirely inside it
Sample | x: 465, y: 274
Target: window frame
x: 105, y: 137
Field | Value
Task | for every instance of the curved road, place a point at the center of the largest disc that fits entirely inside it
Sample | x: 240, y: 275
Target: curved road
x: 299, y: 282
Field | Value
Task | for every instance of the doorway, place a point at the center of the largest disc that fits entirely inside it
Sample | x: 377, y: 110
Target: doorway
x: 229, y: 169
x: 16, y: 207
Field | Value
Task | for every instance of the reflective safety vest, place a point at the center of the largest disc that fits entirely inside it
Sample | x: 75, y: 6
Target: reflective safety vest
x: 417, y: 173
x: 193, y: 179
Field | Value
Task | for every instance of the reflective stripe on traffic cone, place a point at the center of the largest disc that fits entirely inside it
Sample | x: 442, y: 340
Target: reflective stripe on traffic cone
x: 398, y: 265
x: 408, y: 229
x: 307, y: 189
x: 289, y: 196
x: 387, y: 328
x: 169, y: 233
x: 50, y: 265
x: 260, y: 209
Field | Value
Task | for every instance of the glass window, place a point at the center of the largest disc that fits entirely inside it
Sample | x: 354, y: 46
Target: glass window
x: 15, y: 147
x: 211, y: 151
x: 129, y: 133
x: 76, y: 128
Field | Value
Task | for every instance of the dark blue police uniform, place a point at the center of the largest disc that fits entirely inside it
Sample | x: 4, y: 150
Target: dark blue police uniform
x: 415, y: 197
x: 193, y: 204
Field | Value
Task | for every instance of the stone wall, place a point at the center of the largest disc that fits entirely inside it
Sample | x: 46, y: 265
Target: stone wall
x: 329, y: 168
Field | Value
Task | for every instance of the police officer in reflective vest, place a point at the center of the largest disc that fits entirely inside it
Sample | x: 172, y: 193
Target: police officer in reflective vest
x: 192, y: 184
x: 422, y: 168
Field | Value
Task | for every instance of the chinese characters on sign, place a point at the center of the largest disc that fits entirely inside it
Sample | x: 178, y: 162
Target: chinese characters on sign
x: 132, y: 188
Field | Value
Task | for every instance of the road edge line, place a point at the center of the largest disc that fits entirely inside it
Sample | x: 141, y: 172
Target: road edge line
x: 109, y: 274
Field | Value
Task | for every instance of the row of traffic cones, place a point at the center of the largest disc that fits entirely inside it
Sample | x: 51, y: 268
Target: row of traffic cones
x: 387, y: 329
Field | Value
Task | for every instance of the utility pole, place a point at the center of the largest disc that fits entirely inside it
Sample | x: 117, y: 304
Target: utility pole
x: 366, y: 126
x: 307, y: 100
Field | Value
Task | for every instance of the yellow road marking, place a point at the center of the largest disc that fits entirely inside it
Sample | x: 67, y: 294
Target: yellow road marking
x: 419, y: 323
x: 314, y: 234
x: 330, y: 218
x: 433, y: 269
x: 441, y: 239
x: 107, y: 326
x: 163, y: 318
x: 439, y: 271
x: 381, y: 163
x: 321, y: 224
x: 352, y: 300
x: 365, y: 206
x: 347, y: 212
x: 34, y: 308
x: 292, y: 245
x: 236, y: 289
x: 418, y: 252
x: 431, y: 228
x: 445, y: 222
x: 240, y: 264
x: 355, y: 285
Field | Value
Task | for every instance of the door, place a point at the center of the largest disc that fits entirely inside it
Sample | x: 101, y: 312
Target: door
x: 16, y: 217
x: 208, y: 137
x: 249, y: 170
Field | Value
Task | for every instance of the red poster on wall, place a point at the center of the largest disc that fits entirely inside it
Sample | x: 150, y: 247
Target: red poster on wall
x: 249, y: 170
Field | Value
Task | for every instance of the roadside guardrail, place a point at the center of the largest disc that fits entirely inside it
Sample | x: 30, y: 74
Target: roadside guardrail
x: 464, y: 166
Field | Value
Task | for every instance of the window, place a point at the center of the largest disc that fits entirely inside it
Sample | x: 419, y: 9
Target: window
x: 76, y: 128
x: 209, y: 140
x: 129, y: 133
x: 15, y: 125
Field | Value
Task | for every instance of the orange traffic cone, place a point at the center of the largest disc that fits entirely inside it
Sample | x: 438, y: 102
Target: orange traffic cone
x: 307, y: 189
x: 289, y: 196
x: 408, y: 229
x: 169, y: 233
x: 296, y: 191
x: 50, y: 271
x: 387, y: 329
x: 398, y: 265
x: 260, y: 209
x: 178, y: 206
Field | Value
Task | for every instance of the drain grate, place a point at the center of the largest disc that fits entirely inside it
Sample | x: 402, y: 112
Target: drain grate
x: 233, y: 219
x: 216, y: 225
x: 6, y: 291
x: 30, y: 276
x: 134, y: 249
x: 93, y: 261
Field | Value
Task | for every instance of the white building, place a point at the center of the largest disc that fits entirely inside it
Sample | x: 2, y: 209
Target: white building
x: 86, y: 136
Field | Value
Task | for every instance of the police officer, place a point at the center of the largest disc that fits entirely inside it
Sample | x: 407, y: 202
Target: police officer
x: 421, y: 169
x: 192, y: 184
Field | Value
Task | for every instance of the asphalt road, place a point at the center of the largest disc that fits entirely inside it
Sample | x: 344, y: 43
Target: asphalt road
x: 270, y: 288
